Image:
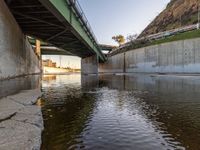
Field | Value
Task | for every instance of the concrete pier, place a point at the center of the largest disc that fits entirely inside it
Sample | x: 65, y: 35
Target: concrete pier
x: 89, y: 65
x: 114, y: 64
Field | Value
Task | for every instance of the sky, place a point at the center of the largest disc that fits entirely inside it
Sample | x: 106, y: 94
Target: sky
x: 65, y: 61
x: 112, y: 17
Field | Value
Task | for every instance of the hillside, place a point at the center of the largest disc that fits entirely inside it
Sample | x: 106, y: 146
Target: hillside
x: 177, y: 13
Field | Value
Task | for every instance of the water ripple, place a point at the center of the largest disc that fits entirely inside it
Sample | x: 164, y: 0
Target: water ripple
x: 136, y: 115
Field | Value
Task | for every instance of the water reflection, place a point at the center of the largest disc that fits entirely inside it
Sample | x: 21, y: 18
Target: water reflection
x: 89, y: 82
x: 48, y: 78
x: 13, y: 86
x: 65, y: 110
x: 121, y: 112
x: 174, y: 102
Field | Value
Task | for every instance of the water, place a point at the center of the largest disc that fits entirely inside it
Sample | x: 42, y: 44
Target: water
x: 140, y: 112
x: 109, y: 112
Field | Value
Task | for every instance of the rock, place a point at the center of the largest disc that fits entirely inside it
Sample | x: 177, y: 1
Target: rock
x: 21, y: 121
x: 16, y: 135
x: 8, y: 107
x: 26, y: 97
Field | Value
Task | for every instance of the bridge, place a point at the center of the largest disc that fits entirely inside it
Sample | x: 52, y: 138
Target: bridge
x: 61, y: 23
x: 49, y: 49
x: 52, y: 50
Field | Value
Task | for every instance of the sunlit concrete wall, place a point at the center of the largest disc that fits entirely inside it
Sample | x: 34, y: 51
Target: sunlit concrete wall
x: 89, y: 65
x: 16, y: 54
x: 175, y: 57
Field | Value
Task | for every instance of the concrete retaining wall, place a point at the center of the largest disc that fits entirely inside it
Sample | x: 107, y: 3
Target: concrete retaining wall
x: 113, y: 64
x: 175, y: 57
x: 89, y: 65
x: 16, y: 54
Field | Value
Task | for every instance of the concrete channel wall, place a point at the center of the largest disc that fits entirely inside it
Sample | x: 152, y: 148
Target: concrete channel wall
x: 175, y: 57
x: 16, y: 54
x: 113, y: 64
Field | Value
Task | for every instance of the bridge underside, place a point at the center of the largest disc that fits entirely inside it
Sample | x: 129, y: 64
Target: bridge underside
x: 41, y: 20
x: 54, y: 51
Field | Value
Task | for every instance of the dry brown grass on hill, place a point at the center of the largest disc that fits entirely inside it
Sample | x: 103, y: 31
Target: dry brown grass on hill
x: 177, y: 13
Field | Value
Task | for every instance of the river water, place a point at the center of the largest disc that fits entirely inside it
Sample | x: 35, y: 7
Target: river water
x: 109, y: 112
x: 126, y: 112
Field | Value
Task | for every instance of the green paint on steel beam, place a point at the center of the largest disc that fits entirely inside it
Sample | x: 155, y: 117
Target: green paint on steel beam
x: 65, y: 10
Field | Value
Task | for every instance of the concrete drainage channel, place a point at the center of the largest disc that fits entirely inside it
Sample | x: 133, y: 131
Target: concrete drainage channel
x: 21, y: 122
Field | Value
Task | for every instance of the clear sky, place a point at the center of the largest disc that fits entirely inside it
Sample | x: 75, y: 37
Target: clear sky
x: 112, y: 17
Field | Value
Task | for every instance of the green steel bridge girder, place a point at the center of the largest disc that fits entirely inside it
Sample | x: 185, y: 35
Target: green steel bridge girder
x: 64, y: 8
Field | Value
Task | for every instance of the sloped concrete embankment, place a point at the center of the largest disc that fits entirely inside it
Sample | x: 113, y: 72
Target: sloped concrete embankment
x: 21, y: 121
x: 181, y: 57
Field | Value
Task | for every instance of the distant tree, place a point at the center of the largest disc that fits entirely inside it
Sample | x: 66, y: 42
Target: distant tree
x: 119, y: 39
x: 131, y: 38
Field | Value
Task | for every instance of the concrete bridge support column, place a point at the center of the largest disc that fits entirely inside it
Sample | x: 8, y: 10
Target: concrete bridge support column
x: 38, y: 53
x: 38, y: 48
x: 89, y: 65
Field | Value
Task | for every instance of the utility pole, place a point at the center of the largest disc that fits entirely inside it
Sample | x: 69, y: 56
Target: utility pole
x: 60, y: 61
x: 198, y: 5
x: 68, y: 64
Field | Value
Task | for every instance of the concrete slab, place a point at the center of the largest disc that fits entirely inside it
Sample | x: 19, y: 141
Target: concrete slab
x: 21, y: 121
x: 25, y: 98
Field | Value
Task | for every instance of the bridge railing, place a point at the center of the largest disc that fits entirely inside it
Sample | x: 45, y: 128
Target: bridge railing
x: 159, y: 35
x: 172, y: 32
x: 77, y: 7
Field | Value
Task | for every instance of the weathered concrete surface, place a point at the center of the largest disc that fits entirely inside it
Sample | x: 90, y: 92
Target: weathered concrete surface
x: 17, y: 57
x: 114, y: 64
x: 13, y: 86
x: 89, y: 65
x: 175, y: 57
x: 21, y: 121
